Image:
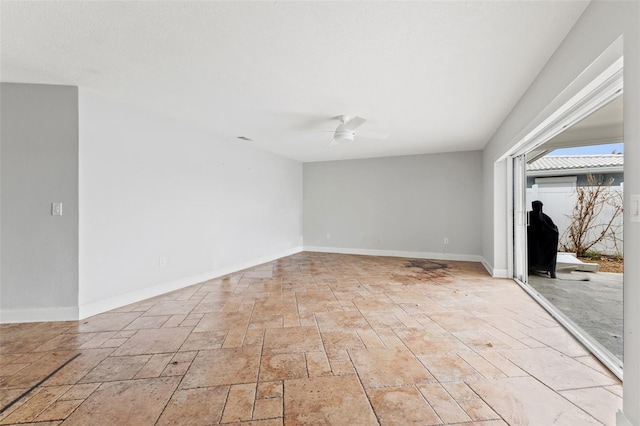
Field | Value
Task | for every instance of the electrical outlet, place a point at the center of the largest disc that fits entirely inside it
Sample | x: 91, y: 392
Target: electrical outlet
x: 162, y: 262
x: 328, y: 236
x: 446, y: 240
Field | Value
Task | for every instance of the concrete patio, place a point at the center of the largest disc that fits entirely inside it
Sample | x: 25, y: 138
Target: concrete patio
x: 592, y: 300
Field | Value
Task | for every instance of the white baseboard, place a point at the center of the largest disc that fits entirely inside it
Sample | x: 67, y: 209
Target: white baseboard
x: 9, y: 316
x: 93, y: 308
x: 622, y: 420
x: 496, y: 273
x: 500, y: 273
x: 397, y: 253
x: 100, y: 306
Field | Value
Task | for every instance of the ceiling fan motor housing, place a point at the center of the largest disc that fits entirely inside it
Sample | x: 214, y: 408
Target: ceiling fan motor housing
x: 344, y: 136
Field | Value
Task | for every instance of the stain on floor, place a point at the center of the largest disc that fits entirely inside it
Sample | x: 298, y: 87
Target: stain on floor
x: 429, y: 270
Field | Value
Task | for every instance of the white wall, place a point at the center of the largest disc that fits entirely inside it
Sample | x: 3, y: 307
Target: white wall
x: 396, y: 205
x: 153, y: 188
x: 39, y: 143
x: 598, y: 28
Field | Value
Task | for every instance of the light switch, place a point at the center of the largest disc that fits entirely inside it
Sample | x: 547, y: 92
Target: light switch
x: 56, y: 209
x: 635, y: 208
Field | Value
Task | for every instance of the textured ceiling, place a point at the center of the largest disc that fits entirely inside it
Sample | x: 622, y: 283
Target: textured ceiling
x: 439, y: 76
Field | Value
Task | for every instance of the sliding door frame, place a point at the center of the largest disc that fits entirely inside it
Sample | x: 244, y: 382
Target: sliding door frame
x: 602, y: 90
x: 520, y: 218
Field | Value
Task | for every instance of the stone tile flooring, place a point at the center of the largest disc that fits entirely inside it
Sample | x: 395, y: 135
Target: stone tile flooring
x: 312, y: 338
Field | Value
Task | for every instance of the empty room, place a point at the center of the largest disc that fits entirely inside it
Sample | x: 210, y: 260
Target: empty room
x: 303, y: 213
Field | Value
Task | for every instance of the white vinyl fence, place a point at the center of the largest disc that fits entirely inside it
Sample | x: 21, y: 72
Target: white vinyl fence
x: 558, y: 203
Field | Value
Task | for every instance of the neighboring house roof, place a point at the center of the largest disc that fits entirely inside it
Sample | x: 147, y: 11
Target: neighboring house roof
x: 577, y: 164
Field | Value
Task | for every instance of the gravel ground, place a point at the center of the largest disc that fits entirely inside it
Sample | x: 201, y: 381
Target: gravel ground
x: 607, y: 264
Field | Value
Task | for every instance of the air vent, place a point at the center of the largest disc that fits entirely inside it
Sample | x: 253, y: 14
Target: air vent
x: 244, y: 138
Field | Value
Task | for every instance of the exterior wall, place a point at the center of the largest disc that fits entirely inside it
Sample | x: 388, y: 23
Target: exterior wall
x: 39, y: 272
x: 395, y: 205
x: 581, y: 180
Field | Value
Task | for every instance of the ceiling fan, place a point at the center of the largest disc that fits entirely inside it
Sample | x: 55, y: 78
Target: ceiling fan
x: 346, y: 131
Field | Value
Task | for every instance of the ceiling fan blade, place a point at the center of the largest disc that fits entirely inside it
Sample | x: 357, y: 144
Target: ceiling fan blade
x: 372, y: 135
x: 307, y: 122
x: 352, y: 124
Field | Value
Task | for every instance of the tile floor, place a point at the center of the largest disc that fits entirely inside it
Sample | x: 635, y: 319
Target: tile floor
x: 313, y: 339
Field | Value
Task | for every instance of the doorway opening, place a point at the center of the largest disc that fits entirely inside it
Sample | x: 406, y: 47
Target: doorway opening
x: 573, y: 168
